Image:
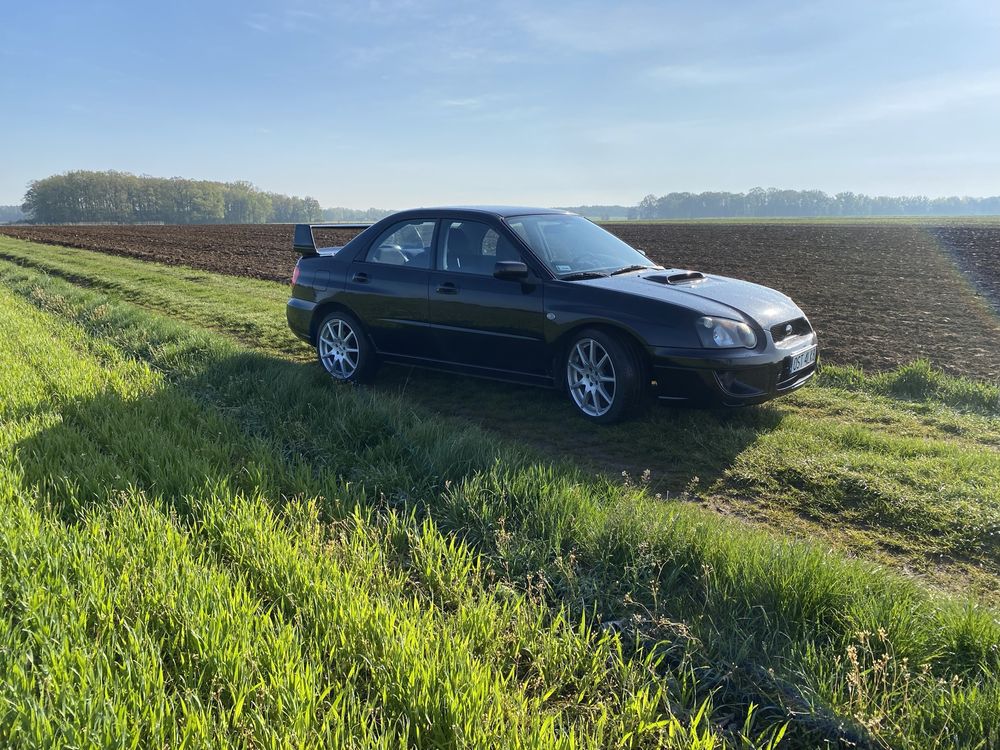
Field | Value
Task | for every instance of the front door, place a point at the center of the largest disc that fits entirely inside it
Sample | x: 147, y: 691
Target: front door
x: 479, y: 321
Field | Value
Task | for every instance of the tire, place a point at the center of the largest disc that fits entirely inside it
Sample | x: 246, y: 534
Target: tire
x: 603, y: 376
x: 343, y: 349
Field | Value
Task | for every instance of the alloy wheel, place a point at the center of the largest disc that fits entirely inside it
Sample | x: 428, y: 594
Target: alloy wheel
x: 338, y: 349
x: 590, y: 375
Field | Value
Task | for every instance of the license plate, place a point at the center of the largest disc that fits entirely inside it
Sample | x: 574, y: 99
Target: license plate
x: 802, y: 360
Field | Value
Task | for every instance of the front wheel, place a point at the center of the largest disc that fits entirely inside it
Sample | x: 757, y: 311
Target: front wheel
x: 343, y: 349
x: 602, y: 376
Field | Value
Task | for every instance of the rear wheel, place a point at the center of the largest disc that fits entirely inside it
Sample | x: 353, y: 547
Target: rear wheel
x: 602, y: 376
x: 343, y: 349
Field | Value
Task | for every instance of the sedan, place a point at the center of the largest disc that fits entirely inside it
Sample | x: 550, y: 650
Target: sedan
x: 544, y: 297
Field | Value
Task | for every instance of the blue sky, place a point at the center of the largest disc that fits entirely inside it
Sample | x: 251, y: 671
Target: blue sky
x: 395, y: 103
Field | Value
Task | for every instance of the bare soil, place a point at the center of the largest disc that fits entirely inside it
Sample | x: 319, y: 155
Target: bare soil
x: 878, y: 294
x: 976, y: 252
x: 259, y: 251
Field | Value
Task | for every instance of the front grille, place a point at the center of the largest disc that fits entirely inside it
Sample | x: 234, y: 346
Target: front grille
x: 797, y: 327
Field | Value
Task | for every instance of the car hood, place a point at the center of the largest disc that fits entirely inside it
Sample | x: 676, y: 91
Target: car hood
x: 710, y: 295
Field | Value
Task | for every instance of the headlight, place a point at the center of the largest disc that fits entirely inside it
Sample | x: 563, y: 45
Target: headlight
x: 720, y: 333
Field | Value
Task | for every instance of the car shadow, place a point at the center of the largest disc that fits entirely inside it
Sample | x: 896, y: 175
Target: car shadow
x: 666, y: 447
x: 258, y: 423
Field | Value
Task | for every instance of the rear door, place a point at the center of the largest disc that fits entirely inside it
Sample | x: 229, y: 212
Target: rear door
x: 387, y: 287
x: 479, y: 321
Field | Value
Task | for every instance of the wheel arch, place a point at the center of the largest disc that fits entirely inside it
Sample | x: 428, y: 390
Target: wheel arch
x: 322, y: 310
x: 623, y: 334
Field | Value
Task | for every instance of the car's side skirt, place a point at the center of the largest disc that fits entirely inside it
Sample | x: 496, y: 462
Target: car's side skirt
x: 509, y: 376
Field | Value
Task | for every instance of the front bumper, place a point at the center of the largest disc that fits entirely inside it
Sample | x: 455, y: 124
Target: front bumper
x: 730, y: 377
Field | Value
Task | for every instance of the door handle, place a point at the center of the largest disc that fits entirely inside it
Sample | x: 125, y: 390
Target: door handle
x: 447, y: 287
x: 360, y: 277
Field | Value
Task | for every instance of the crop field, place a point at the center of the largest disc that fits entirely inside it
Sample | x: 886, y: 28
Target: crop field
x: 880, y: 294
x: 204, y: 543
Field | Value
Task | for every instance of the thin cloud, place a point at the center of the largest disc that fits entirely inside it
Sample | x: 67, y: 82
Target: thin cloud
x: 468, y: 103
x: 259, y: 22
x: 287, y: 20
x: 913, y: 101
x: 698, y: 75
x: 626, y: 134
x: 489, y: 109
x: 597, y: 29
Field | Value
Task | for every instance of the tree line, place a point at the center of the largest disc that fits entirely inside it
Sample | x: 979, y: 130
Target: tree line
x: 340, y: 214
x: 124, y: 198
x: 10, y: 213
x: 774, y: 203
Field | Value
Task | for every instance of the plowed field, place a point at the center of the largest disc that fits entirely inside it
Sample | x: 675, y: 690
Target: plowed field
x: 976, y: 251
x: 260, y: 251
x: 879, y: 294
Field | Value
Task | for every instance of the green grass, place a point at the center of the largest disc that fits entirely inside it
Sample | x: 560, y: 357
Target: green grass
x: 167, y: 581
x: 919, y: 382
x: 901, y: 468
x: 430, y: 571
x: 180, y: 292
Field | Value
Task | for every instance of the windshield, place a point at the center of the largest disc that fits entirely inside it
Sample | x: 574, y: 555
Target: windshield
x: 572, y: 245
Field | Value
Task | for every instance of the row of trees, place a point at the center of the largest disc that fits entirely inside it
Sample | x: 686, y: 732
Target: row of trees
x: 10, y: 213
x: 354, y: 214
x: 774, y: 202
x: 123, y: 198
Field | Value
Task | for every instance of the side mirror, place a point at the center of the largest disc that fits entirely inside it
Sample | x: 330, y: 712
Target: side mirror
x: 510, y: 270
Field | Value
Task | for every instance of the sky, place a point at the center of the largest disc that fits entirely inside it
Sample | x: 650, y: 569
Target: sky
x: 398, y: 103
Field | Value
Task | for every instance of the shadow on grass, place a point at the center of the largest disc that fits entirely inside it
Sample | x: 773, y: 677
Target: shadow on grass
x: 664, y: 447
x: 285, y: 425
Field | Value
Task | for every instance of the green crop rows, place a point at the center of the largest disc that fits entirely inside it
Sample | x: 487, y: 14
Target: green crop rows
x: 204, y: 544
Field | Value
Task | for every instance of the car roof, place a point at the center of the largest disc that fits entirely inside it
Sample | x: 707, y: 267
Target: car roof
x: 501, y: 211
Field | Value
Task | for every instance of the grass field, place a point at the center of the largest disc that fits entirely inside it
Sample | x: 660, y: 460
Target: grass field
x: 226, y: 550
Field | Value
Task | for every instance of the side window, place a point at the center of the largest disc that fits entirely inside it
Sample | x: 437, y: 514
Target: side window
x: 408, y: 243
x: 472, y: 247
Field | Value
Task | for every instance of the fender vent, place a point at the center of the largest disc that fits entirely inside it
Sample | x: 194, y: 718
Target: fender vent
x: 680, y: 277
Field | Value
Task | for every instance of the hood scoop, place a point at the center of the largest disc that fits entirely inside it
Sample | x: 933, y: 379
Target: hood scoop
x: 676, y: 277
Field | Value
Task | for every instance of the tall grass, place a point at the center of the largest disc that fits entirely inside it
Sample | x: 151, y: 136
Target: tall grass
x: 920, y: 382
x: 727, y: 614
x: 169, y: 583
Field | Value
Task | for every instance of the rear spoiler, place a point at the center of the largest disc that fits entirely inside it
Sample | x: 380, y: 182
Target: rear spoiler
x: 305, y: 243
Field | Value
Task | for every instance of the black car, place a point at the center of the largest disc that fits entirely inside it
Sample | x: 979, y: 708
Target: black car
x: 544, y: 297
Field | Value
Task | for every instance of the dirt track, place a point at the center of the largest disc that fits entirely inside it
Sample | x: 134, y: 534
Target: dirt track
x: 879, y: 294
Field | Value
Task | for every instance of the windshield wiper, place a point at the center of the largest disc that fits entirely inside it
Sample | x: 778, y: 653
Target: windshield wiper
x: 627, y: 269
x: 577, y: 275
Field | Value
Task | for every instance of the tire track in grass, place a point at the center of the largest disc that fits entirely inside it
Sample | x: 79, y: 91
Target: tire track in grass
x: 170, y: 289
